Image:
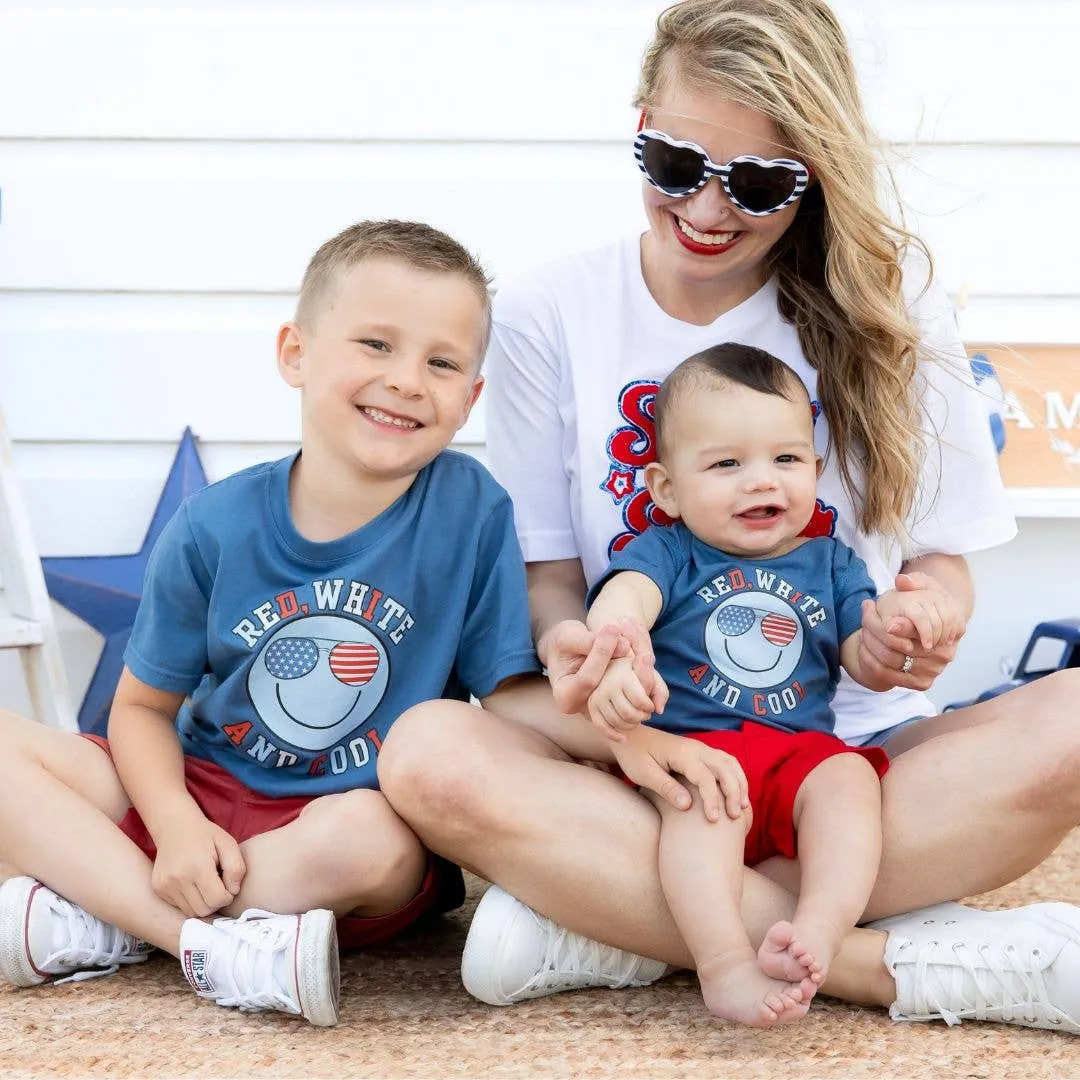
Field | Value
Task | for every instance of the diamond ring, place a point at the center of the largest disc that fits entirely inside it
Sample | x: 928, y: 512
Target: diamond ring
x: 908, y: 664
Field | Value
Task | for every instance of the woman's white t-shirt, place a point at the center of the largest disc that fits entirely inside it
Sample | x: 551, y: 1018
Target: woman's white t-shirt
x: 578, y: 349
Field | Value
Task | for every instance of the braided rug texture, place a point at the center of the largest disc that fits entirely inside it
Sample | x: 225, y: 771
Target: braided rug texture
x: 405, y: 1014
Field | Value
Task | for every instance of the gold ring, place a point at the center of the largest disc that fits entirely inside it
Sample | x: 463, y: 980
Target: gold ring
x: 908, y: 664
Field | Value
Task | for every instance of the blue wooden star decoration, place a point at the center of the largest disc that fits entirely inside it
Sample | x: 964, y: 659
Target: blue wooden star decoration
x: 104, y: 590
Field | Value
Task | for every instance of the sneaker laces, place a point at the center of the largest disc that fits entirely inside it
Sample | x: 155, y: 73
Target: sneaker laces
x: 90, y: 943
x: 1005, y: 987
x: 568, y: 957
x: 263, y: 936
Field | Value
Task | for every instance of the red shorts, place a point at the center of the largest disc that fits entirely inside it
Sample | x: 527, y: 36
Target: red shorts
x: 776, y: 763
x: 244, y: 813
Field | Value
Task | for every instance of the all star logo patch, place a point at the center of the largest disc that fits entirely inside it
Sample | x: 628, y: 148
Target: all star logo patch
x: 195, y: 970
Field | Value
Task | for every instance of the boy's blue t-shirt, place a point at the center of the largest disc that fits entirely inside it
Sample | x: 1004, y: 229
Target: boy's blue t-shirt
x: 748, y: 639
x: 299, y: 656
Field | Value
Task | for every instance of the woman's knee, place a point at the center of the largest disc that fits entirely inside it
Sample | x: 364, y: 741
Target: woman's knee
x: 1052, y: 709
x: 434, y: 762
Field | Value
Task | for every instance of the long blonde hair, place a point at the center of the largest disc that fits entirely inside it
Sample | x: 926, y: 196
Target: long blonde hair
x: 838, y: 266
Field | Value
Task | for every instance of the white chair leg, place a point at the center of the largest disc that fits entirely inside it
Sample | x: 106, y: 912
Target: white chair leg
x: 26, y: 621
x: 47, y: 685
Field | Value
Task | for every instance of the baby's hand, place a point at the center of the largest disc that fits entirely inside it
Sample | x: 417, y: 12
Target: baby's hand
x: 620, y: 703
x: 658, y: 760
x: 927, y: 613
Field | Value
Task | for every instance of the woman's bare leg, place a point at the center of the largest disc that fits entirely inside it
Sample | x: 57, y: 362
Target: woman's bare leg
x: 974, y: 798
x: 577, y: 846
x: 571, y: 842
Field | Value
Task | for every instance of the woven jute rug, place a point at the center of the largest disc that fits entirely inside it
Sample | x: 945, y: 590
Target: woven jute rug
x: 405, y: 1014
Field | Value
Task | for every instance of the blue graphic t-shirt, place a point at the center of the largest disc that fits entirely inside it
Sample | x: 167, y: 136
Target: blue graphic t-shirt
x: 748, y: 639
x: 299, y: 656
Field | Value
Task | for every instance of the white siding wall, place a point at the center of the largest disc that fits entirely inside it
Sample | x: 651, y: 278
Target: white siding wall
x: 166, y: 169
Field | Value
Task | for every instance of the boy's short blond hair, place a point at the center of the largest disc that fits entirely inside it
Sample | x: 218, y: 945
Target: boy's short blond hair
x: 410, y: 242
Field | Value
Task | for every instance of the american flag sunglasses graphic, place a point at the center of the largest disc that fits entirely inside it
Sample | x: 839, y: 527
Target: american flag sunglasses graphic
x: 736, y: 619
x: 353, y: 663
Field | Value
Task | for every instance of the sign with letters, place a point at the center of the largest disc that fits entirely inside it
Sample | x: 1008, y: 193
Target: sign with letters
x: 1035, y: 390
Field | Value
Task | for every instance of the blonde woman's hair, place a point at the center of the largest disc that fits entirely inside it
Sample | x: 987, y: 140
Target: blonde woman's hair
x: 411, y: 242
x: 838, y: 266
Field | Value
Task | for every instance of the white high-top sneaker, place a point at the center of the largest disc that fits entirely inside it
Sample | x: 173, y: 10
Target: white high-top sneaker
x: 42, y: 935
x: 513, y: 954
x: 953, y: 963
x: 264, y: 961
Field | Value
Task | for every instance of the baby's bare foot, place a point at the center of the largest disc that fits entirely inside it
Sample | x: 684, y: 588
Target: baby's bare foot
x: 799, y: 951
x: 781, y: 957
x: 737, y: 989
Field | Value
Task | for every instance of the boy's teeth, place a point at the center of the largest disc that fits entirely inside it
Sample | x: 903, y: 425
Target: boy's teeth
x: 386, y: 418
x: 705, y: 238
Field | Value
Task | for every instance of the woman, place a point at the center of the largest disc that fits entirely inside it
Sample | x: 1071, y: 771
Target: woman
x: 764, y: 228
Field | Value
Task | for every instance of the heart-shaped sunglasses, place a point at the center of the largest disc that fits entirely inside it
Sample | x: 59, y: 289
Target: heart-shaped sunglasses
x: 757, y: 186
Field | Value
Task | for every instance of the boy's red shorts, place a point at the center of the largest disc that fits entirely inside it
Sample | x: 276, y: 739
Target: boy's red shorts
x: 244, y: 813
x: 776, y: 763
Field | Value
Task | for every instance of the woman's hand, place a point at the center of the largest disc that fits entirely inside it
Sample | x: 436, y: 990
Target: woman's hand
x: 888, y: 640
x: 576, y: 659
x: 199, y: 867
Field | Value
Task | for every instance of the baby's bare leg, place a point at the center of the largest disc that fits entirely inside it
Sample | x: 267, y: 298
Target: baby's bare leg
x: 838, y: 821
x: 701, y: 874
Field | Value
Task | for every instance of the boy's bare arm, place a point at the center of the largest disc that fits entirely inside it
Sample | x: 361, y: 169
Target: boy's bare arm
x: 146, y: 750
x: 199, y: 867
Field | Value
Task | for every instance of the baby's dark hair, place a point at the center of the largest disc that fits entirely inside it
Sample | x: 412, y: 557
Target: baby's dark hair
x: 728, y: 363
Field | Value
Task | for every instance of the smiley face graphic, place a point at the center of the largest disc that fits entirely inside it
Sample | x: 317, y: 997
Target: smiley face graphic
x: 754, y: 639
x: 317, y: 678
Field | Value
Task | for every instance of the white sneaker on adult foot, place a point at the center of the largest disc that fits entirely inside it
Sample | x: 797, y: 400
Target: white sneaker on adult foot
x: 1020, y: 966
x: 42, y: 935
x: 264, y: 961
x: 513, y: 954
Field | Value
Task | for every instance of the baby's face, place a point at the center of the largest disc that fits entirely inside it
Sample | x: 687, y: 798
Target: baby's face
x: 742, y: 469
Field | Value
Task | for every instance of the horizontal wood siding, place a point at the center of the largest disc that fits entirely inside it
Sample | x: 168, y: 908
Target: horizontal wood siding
x: 166, y: 170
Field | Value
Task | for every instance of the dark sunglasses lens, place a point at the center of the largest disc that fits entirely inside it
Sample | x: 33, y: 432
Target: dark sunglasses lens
x: 675, y: 169
x: 760, y: 187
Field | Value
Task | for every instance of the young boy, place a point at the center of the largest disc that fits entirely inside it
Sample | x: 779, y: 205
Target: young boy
x: 751, y: 622
x: 290, y: 614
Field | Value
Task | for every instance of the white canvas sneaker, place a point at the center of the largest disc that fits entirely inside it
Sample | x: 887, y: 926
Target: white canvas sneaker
x: 264, y: 961
x: 1020, y: 966
x: 513, y: 954
x: 42, y: 935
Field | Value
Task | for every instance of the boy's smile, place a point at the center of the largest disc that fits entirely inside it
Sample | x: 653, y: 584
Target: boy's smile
x: 389, y: 370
